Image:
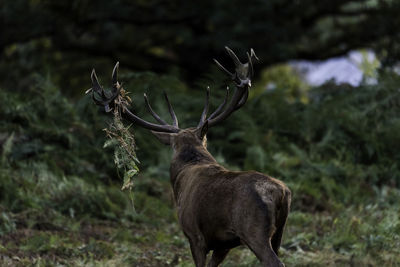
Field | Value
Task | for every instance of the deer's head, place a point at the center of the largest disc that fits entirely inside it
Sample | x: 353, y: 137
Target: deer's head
x: 171, y: 134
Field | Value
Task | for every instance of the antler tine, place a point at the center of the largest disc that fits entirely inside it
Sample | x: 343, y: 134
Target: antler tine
x: 243, y: 100
x: 96, y: 88
x: 148, y: 125
x: 114, y: 75
x: 155, y: 115
x: 250, y: 58
x: 221, y: 106
x: 95, y: 82
x: 171, y: 111
x: 152, y: 126
x: 235, y: 60
x: 251, y: 70
x: 233, y: 56
x: 253, y: 54
x: 115, y: 84
x: 223, y: 68
x: 206, y: 106
x: 237, y: 96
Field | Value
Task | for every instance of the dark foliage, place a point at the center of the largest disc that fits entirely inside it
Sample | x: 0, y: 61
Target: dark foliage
x: 69, y: 37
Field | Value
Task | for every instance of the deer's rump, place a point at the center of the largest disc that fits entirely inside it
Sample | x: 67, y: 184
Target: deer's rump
x: 223, y: 206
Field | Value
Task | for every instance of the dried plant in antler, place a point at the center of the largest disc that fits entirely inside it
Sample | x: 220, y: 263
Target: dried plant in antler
x: 120, y: 138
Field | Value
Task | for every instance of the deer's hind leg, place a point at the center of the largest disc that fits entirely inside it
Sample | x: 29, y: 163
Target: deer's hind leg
x: 262, y: 248
x: 257, y: 235
x: 280, y: 223
x: 198, y: 248
x: 199, y: 253
x: 217, y: 257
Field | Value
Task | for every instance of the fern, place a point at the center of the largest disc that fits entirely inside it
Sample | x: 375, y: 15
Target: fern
x: 122, y: 140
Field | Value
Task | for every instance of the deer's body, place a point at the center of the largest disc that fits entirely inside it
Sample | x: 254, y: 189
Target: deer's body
x: 218, y: 209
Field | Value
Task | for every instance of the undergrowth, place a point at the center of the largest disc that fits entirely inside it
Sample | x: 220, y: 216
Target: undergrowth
x: 60, y: 194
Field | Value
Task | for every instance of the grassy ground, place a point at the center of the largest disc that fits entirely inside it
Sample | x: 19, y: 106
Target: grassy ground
x: 150, y: 236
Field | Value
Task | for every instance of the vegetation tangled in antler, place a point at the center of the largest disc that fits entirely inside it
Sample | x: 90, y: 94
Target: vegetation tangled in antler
x: 121, y: 138
x: 123, y: 141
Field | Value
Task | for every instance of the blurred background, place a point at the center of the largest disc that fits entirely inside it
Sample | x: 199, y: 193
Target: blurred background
x: 323, y: 116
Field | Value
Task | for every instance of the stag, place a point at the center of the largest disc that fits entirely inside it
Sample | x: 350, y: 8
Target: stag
x: 218, y: 209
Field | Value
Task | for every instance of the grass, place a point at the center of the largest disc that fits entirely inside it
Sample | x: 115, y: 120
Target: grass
x: 363, y: 235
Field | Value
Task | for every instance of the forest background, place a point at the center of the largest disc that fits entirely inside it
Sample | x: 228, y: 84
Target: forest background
x: 336, y: 146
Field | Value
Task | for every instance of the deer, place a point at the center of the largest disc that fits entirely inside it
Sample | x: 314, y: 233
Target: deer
x: 217, y: 209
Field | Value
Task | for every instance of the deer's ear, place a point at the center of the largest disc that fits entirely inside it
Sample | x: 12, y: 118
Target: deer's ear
x: 164, y: 138
x: 203, y: 130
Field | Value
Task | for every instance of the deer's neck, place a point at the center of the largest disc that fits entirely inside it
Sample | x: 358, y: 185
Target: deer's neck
x: 190, y: 155
x: 187, y: 157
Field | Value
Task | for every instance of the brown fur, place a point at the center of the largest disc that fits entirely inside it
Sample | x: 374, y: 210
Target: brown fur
x: 220, y: 209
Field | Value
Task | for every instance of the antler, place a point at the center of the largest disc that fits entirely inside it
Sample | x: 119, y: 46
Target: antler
x: 109, y: 101
x: 242, y: 79
x: 101, y: 97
